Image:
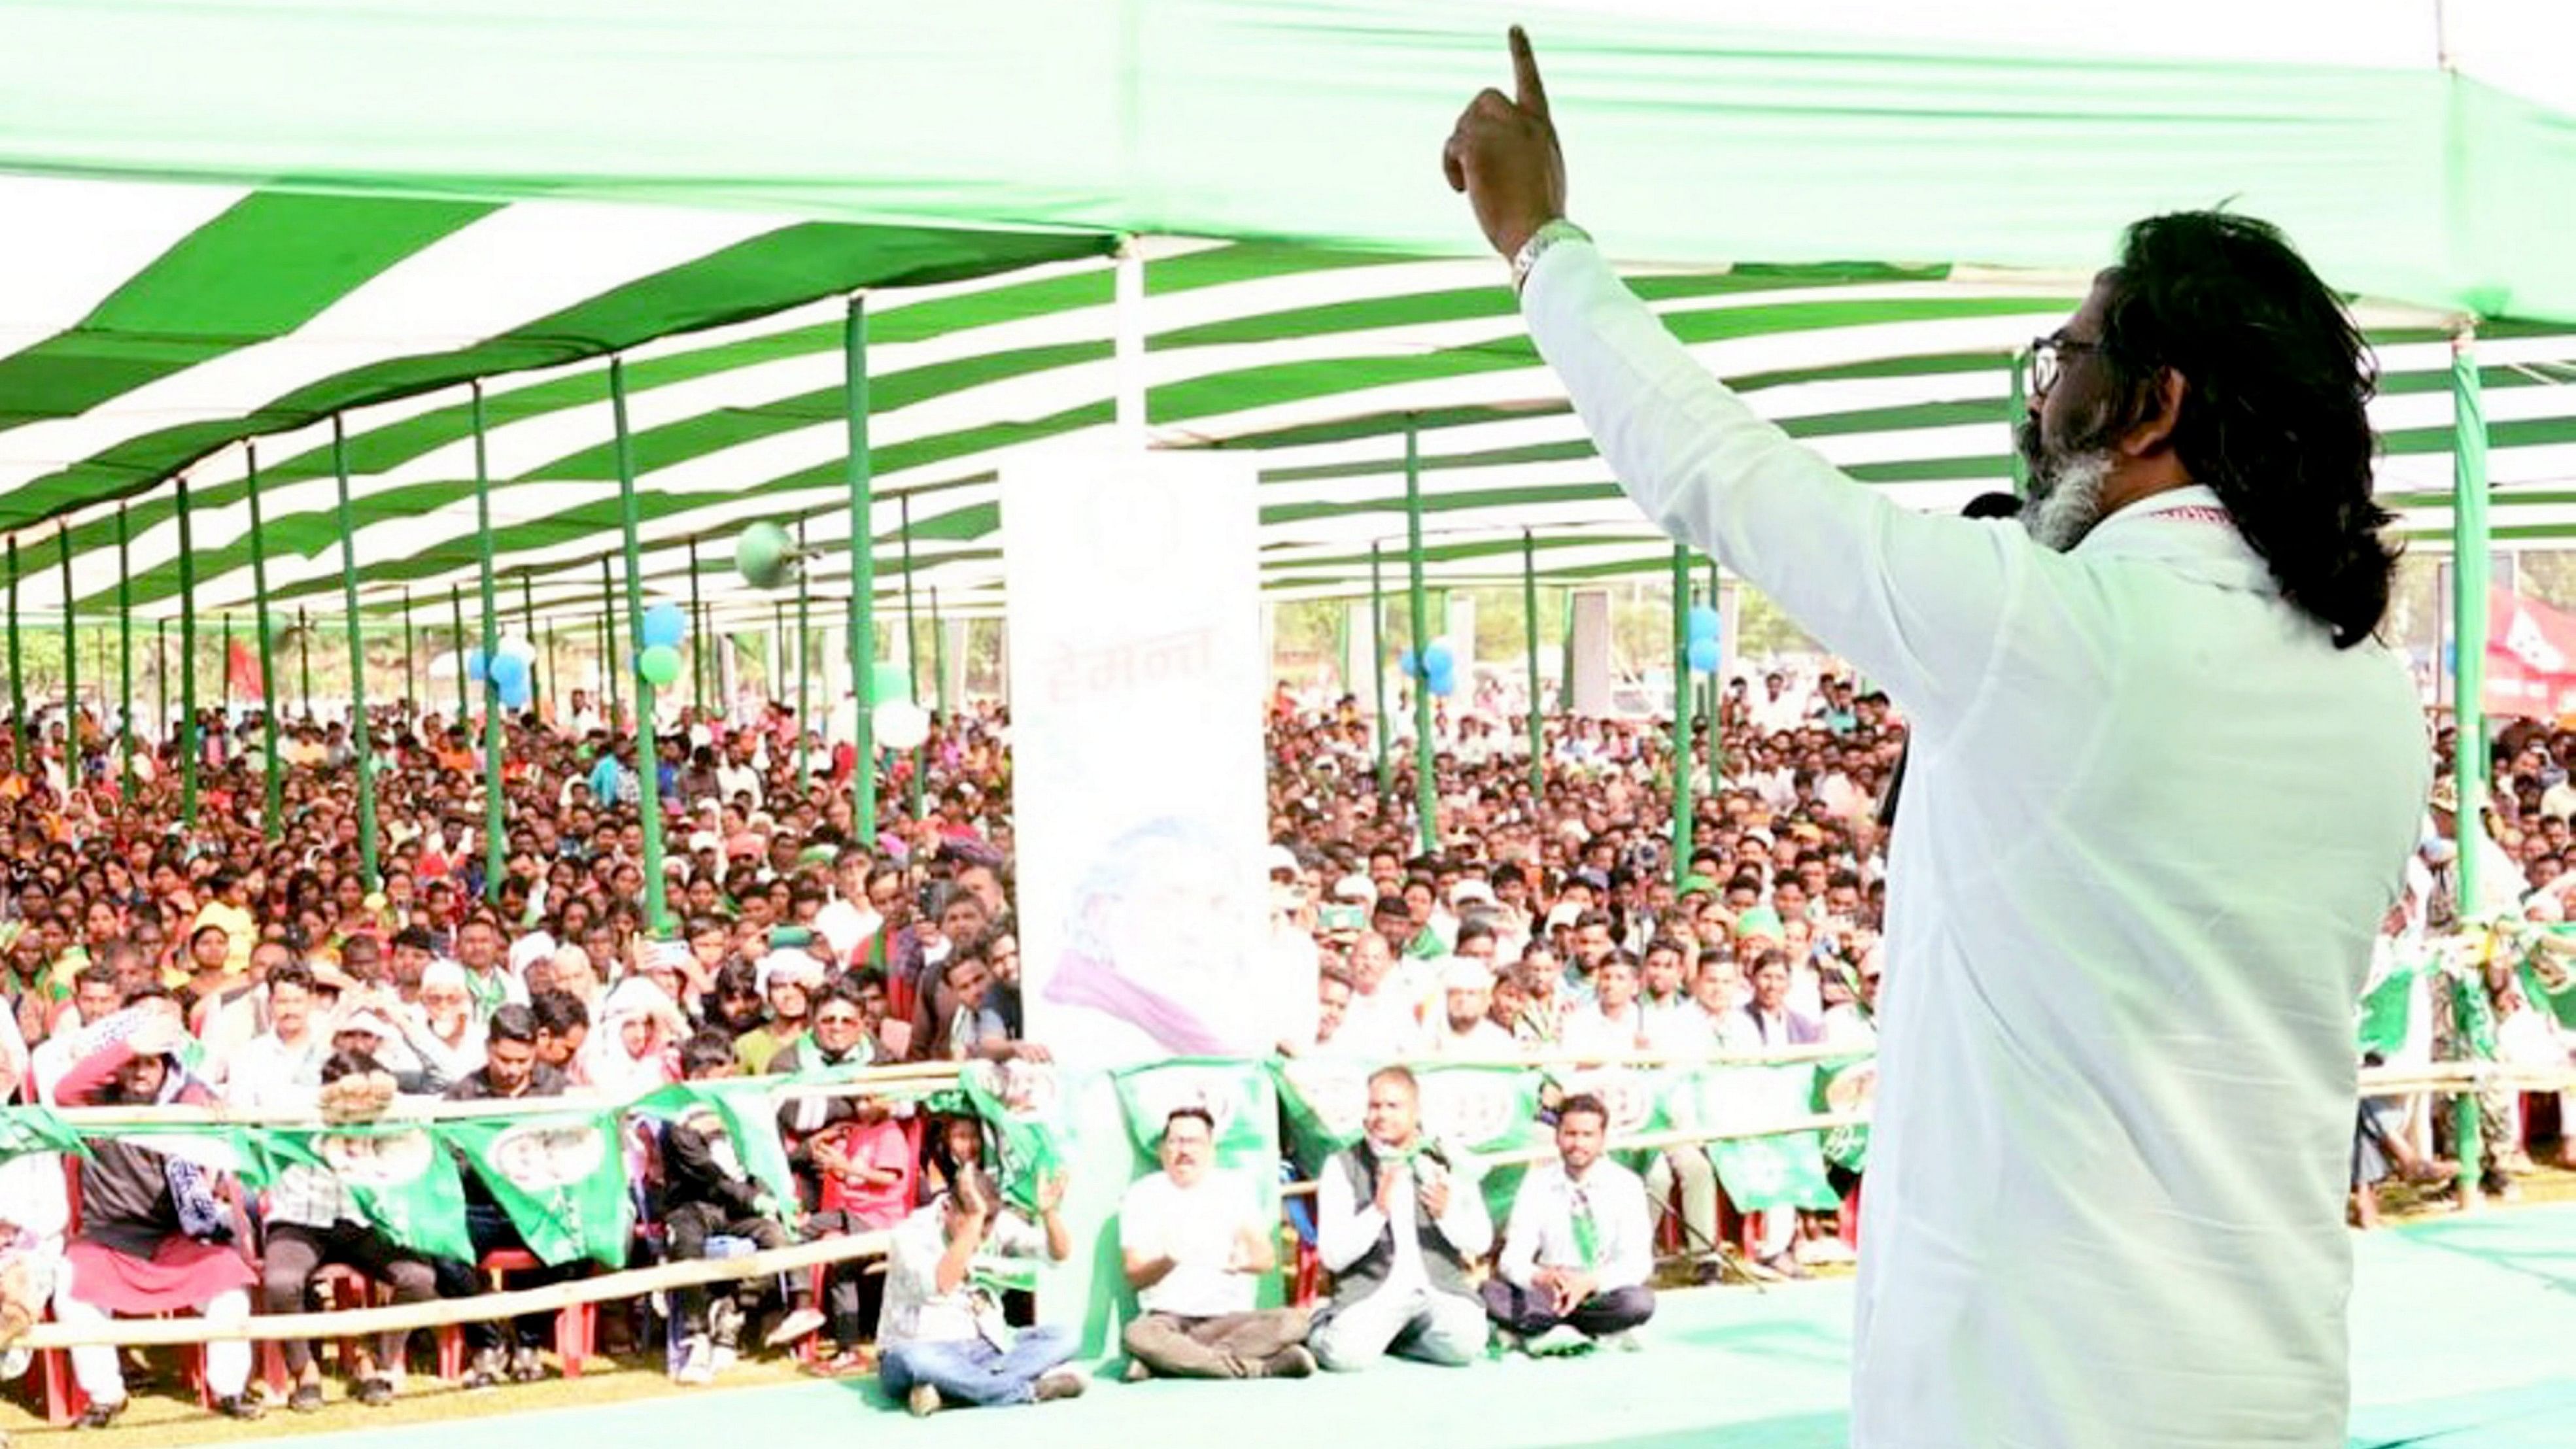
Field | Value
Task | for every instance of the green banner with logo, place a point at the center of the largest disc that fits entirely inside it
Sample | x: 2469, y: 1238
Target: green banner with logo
x: 561, y: 1176
x: 1022, y: 1104
x: 398, y: 1173
x: 738, y: 1116
x: 1470, y: 1113
x: 1785, y: 1170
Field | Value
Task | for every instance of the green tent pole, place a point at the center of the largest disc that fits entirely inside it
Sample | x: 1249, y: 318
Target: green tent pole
x: 411, y: 685
x: 2469, y: 584
x: 697, y: 637
x: 1426, y: 789
x: 274, y: 788
x: 494, y: 855
x: 71, y: 666
x: 17, y: 688
x: 609, y: 669
x: 124, y: 659
x: 358, y: 742
x: 187, y: 662
x: 648, y: 760
x: 1681, y: 714
x: 939, y: 651
x: 1377, y: 646
x: 456, y: 622
x: 2469, y: 565
x: 804, y: 671
x: 161, y: 665
x: 304, y: 656
x: 911, y: 647
x: 528, y: 626
x: 863, y: 571
x: 2020, y: 406
x: 1529, y: 615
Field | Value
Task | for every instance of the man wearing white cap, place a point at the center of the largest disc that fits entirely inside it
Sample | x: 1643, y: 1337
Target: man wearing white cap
x: 1461, y: 1029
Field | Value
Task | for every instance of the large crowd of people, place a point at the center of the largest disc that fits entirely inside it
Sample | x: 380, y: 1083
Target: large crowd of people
x: 249, y: 960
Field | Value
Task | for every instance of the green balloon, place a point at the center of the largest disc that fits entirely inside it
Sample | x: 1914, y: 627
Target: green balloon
x: 659, y: 665
x: 889, y: 681
x: 760, y: 555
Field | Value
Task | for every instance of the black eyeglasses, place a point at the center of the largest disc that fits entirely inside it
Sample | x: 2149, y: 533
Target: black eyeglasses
x: 2048, y: 359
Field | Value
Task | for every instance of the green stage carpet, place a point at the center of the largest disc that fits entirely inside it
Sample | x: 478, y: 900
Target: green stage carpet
x: 2464, y: 1335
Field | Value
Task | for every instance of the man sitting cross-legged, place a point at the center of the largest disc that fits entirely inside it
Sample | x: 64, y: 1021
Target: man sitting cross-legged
x: 1195, y: 1242
x: 941, y: 1339
x: 1578, y: 1248
x: 1397, y: 1227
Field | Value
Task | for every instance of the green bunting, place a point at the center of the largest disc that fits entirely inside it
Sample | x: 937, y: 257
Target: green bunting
x: 398, y: 1173
x: 561, y: 1176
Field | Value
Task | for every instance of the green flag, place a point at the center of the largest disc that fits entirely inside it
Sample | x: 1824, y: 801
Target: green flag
x: 397, y: 1173
x: 561, y: 1176
x: 2549, y: 974
x: 1785, y: 1170
x: 1847, y: 1087
x: 1768, y: 1172
x: 741, y: 1113
x: 1238, y: 1094
x: 1020, y: 1102
x: 36, y: 1129
x: 2387, y: 1011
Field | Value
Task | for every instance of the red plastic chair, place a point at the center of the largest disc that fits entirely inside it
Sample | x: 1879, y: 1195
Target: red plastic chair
x: 574, y: 1326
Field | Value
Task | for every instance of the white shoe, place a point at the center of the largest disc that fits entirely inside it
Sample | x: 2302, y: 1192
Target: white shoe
x: 1564, y: 1339
x: 697, y: 1362
x: 1625, y: 1340
x: 795, y: 1326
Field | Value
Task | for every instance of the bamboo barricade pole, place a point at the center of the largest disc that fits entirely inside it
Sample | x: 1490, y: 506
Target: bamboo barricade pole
x: 356, y: 1322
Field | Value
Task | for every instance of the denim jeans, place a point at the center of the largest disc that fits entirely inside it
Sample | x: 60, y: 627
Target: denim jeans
x: 971, y: 1371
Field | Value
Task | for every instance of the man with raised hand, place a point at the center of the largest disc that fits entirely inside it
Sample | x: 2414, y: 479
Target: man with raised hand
x: 2167, y: 784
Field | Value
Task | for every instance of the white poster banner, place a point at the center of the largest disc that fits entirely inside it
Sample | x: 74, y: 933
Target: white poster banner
x: 1137, y: 792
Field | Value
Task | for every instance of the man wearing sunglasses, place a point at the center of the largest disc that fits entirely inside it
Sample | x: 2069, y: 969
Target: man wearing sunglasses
x: 2167, y: 784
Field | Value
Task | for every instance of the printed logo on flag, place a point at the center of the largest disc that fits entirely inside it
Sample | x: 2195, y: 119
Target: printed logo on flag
x: 549, y: 1157
x: 1468, y: 1107
x: 378, y: 1159
x: 2531, y: 645
x: 1335, y: 1092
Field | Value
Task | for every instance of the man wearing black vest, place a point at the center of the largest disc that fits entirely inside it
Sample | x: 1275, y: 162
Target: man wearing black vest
x: 1399, y: 1226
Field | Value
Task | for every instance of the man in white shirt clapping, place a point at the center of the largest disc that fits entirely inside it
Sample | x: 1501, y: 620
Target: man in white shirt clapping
x: 1194, y: 1241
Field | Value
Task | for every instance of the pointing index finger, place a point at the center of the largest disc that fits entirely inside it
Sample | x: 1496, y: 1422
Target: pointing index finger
x: 1532, y: 95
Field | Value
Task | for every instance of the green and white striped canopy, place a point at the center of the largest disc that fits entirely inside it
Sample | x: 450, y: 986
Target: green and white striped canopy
x: 232, y: 230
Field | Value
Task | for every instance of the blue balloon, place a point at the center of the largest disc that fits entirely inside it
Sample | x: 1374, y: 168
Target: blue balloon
x: 1442, y: 683
x: 1703, y: 655
x: 1703, y: 623
x: 665, y: 624
x: 508, y: 672
x: 474, y: 667
x: 515, y: 697
x: 1404, y: 665
x: 1437, y: 659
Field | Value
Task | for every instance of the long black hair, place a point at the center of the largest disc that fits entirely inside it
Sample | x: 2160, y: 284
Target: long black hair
x: 2277, y: 381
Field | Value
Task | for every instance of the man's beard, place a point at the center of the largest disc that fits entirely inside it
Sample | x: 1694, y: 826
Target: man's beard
x: 2065, y: 489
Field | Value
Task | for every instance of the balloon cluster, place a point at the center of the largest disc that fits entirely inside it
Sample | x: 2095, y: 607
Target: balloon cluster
x: 509, y: 670
x: 665, y: 625
x: 1703, y: 639
x: 1436, y: 668
x: 897, y: 723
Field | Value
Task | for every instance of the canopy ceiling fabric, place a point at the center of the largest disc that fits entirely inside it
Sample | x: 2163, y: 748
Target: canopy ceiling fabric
x: 2421, y: 150
x: 322, y: 224
x: 183, y: 324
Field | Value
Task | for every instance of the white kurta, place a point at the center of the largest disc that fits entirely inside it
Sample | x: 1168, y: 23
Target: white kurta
x: 2152, y: 820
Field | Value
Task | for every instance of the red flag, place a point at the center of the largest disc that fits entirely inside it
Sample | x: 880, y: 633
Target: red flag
x: 2531, y: 657
x: 243, y: 669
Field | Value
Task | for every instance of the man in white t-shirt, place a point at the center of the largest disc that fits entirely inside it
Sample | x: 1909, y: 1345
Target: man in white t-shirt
x: 1194, y: 1242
